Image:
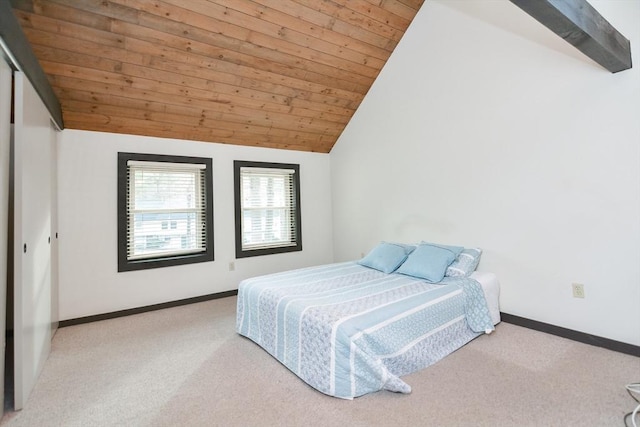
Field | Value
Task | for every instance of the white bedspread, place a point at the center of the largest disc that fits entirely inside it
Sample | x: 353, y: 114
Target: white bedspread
x: 348, y: 330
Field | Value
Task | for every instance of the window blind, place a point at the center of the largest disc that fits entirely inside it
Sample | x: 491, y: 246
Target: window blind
x: 268, y: 208
x: 166, y: 209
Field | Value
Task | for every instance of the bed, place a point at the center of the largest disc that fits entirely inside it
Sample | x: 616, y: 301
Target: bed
x: 347, y: 329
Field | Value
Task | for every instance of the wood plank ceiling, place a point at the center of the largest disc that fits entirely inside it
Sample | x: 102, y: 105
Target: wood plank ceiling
x: 271, y: 73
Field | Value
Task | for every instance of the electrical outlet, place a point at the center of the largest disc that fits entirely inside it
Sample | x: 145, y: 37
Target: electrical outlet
x: 232, y: 266
x: 578, y: 290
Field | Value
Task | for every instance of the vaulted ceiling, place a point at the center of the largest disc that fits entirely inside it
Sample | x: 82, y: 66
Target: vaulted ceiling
x: 270, y: 73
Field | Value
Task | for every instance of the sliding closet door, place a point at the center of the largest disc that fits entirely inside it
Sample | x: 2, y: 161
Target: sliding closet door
x: 53, y: 162
x: 33, y: 139
x: 5, y: 133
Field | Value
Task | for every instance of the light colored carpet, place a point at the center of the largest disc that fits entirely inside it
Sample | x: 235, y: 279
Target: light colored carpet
x: 186, y: 366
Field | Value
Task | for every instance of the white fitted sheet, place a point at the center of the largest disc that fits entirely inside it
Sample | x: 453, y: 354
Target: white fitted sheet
x: 491, y: 287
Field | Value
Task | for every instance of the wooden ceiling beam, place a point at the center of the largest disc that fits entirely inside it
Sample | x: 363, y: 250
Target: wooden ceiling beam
x: 580, y: 24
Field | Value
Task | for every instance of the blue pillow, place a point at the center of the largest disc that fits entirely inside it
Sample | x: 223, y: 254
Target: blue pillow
x: 386, y: 257
x: 428, y: 262
x: 465, y: 264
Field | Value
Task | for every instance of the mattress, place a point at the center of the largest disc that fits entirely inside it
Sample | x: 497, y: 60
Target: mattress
x: 348, y: 330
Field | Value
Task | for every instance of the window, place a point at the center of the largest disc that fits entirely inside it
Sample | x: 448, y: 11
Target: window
x: 267, y: 199
x: 165, y: 211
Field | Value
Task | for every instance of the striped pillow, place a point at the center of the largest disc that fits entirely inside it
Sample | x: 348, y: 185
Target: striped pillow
x: 465, y: 264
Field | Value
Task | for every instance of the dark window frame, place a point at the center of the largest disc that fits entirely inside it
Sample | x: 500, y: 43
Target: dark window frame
x: 245, y: 253
x: 162, y: 261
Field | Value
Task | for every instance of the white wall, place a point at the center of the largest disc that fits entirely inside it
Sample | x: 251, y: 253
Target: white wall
x: 89, y: 283
x: 486, y: 129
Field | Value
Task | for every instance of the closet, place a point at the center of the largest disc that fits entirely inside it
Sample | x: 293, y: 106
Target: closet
x: 28, y: 237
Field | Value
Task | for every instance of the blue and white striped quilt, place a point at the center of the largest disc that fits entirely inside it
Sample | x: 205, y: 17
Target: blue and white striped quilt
x: 348, y: 330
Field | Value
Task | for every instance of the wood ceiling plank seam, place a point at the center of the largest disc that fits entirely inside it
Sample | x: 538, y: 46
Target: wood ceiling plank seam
x: 160, y: 54
x: 125, y: 80
x: 97, y: 84
x: 412, y: 4
x: 214, y: 75
x: 184, y: 15
x: 180, y: 14
x: 102, y: 7
x: 400, y: 8
x: 169, y: 118
x: 93, y: 52
x: 271, y: 56
x: 279, y: 31
x: 297, y: 93
x: 330, y: 117
x: 310, y: 68
x: 67, y: 57
x: 117, y: 100
x: 47, y: 22
x: 274, y: 68
x: 189, y: 12
x: 261, y: 92
x: 377, y: 13
x: 328, y: 22
x: 238, y: 115
x: 341, y: 13
x: 198, y: 53
x: 74, y: 15
x: 280, y: 122
x: 134, y: 126
x: 192, y: 69
x: 250, y: 73
x: 356, y: 32
x: 256, y: 59
x: 59, y: 41
x: 72, y: 83
x: 272, y: 15
x: 206, y: 92
x: 319, y: 75
x: 312, y: 55
x: 328, y: 108
x: 223, y: 129
x: 331, y: 49
x: 163, y: 77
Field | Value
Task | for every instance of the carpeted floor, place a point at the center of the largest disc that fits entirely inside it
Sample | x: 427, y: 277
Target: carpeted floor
x: 186, y: 366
